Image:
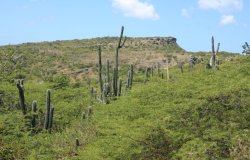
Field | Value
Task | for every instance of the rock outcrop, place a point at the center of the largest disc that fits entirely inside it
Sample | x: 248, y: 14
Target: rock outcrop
x: 162, y: 40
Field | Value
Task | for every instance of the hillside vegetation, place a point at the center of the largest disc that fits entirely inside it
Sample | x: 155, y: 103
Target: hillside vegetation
x: 198, y: 114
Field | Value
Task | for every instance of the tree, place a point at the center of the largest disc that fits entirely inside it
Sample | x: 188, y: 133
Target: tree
x: 246, y: 49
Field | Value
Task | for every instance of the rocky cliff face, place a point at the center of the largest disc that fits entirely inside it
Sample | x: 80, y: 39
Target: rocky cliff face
x: 162, y: 40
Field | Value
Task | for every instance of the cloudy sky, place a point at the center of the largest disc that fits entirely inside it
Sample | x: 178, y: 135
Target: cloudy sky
x: 192, y: 22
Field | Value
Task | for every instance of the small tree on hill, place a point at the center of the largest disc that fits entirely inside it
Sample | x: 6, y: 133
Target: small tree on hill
x: 246, y: 49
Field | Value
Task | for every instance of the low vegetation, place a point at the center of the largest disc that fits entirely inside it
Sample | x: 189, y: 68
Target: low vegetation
x: 193, y: 113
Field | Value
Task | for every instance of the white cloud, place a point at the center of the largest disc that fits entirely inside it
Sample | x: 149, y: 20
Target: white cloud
x: 227, y: 19
x: 136, y: 9
x: 221, y: 5
x: 187, y: 12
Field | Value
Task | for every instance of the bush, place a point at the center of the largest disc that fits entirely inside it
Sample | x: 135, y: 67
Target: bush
x: 61, y: 81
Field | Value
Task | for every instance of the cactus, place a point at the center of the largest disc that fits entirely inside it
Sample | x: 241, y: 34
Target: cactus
x: 92, y: 92
x: 48, y: 106
x: 107, y: 70
x: 90, y: 111
x: 51, y: 115
x: 213, y: 57
x: 146, y: 75
x: 129, y: 79
x: 20, y: 87
x: 213, y: 51
x: 147, y: 72
x: 108, y: 75
x: 114, y: 80
x: 181, y: 66
x: 105, y: 92
x: 120, y: 45
x: 34, y: 115
x: 120, y: 87
x: 83, y: 117
x: 217, y: 64
x: 100, y: 70
x: 218, y: 48
x: 77, y: 143
x: 125, y: 89
x: 131, y: 75
x: 167, y: 71
x: 152, y: 71
x: 158, y: 69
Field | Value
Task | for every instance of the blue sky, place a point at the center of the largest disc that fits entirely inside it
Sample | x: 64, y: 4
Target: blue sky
x: 192, y: 22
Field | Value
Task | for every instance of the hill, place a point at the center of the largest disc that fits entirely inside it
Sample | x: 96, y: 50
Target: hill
x: 198, y: 114
x: 77, y: 58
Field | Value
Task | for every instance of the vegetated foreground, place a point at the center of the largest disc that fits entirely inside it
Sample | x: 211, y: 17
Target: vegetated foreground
x: 198, y: 114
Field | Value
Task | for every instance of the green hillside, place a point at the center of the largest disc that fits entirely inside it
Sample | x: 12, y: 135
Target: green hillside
x: 198, y: 114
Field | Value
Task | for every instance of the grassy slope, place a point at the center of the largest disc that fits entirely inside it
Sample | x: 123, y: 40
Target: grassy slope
x: 201, y: 114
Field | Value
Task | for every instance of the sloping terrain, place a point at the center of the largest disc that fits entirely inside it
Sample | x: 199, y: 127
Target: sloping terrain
x: 77, y: 58
x: 198, y: 114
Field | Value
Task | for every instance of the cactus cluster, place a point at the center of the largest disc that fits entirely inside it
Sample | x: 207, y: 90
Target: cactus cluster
x: 110, y: 87
x: 31, y: 119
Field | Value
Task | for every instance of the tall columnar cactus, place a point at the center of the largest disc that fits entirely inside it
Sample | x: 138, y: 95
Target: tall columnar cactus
x: 167, y: 70
x: 120, y: 45
x: 147, y: 72
x: 213, y: 57
x: 51, y: 115
x: 129, y: 79
x: 181, y: 66
x: 108, y: 75
x: 20, y: 87
x: 212, y: 40
x: 217, y: 63
x: 120, y: 87
x: 83, y: 118
x: 34, y: 114
x: 77, y: 143
x: 105, y: 93
x: 114, y: 81
x: 146, y: 75
x: 107, y: 70
x: 158, y: 69
x: 48, y: 106
x: 100, y: 70
x: 92, y: 92
x: 218, y: 48
x: 152, y: 71
x: 131, y: 75
x: 90, y: 111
